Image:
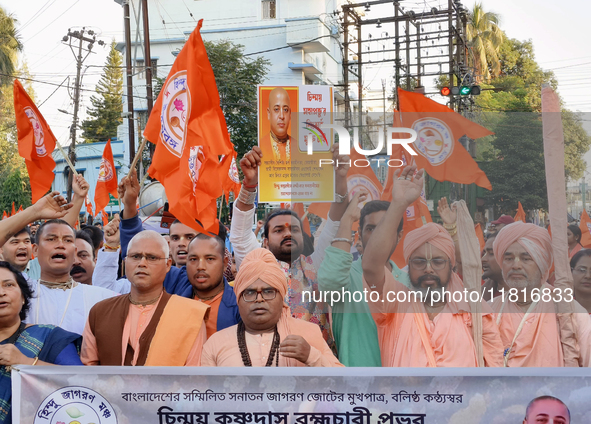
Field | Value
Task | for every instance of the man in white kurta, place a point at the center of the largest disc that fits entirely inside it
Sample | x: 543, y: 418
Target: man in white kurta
x: 58, y: 299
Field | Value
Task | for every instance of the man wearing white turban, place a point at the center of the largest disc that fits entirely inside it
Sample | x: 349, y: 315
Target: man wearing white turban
x: 527, y: 315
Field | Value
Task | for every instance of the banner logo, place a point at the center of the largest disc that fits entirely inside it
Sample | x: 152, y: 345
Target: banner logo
x: 176, y: 109
x: 37, y: 131
x: 106, y: 172
x: 75, y: 405
x: 233, y: 172
x: 434, y: 141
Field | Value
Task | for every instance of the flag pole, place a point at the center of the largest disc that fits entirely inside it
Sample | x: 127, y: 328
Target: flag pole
x: 137, y: 155
x: 221, y: 205
x: 66, y: 158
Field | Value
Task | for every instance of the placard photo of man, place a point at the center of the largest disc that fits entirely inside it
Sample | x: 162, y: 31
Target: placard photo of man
x: 547, y: 410
x: 275, y: 122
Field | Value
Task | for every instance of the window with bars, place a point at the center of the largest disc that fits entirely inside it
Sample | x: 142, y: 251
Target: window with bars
x: 269, y: 7
x: 140, y: 69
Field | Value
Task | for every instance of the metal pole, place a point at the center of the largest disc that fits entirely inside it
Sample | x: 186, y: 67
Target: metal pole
x: 129, y: 70
x: 346, y: 64
x: 384, y: 103
x: 359, y: 81
x: 407, y: 33
x: 451, y: 48
x: 148, y: 63
x: 418, y: 28
x: 72, y: 148
x: 397, y: 58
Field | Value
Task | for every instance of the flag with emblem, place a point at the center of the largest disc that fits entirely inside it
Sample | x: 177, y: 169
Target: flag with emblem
x: 439, y: 130
x: 585, y: 227
x: 106, y: 182
x: 36, y: 142
x: 520, y: 215
x: 229, y: 175
x: 189, y: 130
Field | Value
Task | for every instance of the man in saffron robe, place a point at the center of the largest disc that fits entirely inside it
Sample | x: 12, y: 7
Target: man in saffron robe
x: 529, y: 329
x: 148, y: 326
x: 424, y: 327
x: 268, y: 335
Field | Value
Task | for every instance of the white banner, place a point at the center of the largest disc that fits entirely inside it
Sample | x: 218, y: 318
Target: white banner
x: 144, y: 395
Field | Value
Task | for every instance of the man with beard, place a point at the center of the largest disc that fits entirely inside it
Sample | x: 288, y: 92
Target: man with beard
x: 528, y: 320
x: 283, y: 236
x: 85, y: 260
x: 491, y: 272
x: 498, y: 225
x: 425, y: 326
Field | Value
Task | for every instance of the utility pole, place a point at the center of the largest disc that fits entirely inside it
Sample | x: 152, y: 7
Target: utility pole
x: 79, y: 35
x: 129, y: 73
x: 148, y: 64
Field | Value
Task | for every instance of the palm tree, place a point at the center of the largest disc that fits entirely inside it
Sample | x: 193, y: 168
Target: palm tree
x: 484, y: 40
x: 10, y: 45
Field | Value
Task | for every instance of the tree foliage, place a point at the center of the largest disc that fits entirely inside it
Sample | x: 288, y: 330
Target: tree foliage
x: 484, y: 40
x: 107, y: 105
x: 237, y: 78
x: 10, y: 45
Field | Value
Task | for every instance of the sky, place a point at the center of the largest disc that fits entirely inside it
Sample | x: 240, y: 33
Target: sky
x: 559, y: 32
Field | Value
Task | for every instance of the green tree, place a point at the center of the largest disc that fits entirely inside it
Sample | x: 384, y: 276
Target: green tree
x: 484, y: 40
x: 10, y: 46
x: 105, y: 113
x: 237, y: 78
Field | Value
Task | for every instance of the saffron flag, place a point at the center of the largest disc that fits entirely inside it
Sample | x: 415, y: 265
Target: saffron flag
x: 520, y: 215
x: 438, y: 132
x: 13, y: 213
x: 189, y: 130
x: 4, y: 215
x: 480, y: 236
x: 105, y: 217
x: 36, y: 142
x: 585, y: 227
x: 359, y: 176
x: 229, y: 175
x: 88, y: 205
x: 107, y: 179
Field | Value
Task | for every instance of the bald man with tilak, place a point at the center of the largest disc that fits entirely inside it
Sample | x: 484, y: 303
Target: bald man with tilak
x: 279, y: 115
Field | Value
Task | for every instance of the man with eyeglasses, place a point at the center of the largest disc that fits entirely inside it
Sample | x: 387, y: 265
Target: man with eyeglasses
x: 268, y: 335
x: 423, y: 326
x: 527, y: 316
x: 148, y: 326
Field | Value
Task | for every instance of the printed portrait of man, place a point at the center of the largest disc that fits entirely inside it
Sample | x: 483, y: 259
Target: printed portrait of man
x: 276, y: 144
x: 547, y: 410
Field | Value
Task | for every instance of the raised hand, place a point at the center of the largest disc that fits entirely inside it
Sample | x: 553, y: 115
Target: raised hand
x: 407, y: 185
x: 295, y: 347
x: 249, y: 164
x: 51, y: 206
x: 343, y: 162
x: 80, y: 186
x: 448, y: 215
x: 111, y: 232
x: 129, y: 188
x: 353, y: 211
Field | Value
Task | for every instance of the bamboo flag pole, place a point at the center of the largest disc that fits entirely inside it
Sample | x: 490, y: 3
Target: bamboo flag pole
x: 67, y: 158
x: 138, y: 155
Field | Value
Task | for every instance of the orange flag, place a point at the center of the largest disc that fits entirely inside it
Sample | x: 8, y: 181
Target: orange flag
x: 229, y: 175
x: 585, y: 227
x: 107, y: 179
x: 360, y: 175
x: 189, y: 130
x: 88, y: 205
x: 13, y: 210
x: 4, y: 215
x: 439, y: 128
x: 105, y: 217
x: 520, y: 215
x: 36, y: 142
x: 480, y: 236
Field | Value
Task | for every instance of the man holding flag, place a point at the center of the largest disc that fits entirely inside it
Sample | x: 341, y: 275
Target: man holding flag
x: 106, y: 182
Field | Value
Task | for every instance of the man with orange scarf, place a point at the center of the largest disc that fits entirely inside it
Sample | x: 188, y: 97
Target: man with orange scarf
x: 268, y: 335
x: 527, y: 318
x: 425, y: 326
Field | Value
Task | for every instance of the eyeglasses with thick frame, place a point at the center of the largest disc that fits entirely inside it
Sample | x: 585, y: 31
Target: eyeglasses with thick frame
x: 250, y: 295
x: 137, y: 257
x: 420, y: 264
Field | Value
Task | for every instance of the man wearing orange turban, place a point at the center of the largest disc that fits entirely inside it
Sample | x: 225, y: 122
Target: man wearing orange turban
x: 268, y: 335
x: 426, y: 326
x: 527, y: 315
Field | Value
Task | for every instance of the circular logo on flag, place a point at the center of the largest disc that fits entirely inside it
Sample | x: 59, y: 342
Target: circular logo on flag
x: 106, y: 172
x: 357, y: 182
x: 37, y: 131
x: 434, y: 140
x: 176, y: 109
x: 233, y: 172
x: 75, y: 405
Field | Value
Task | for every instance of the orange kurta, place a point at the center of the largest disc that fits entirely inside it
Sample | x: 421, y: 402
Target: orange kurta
x: 221, y: 350
x: 538, y: 343
x: 450, y: 332
x: 211, y: 322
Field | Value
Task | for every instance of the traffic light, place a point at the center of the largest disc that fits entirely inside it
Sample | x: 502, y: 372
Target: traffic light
x: 464, y: 90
